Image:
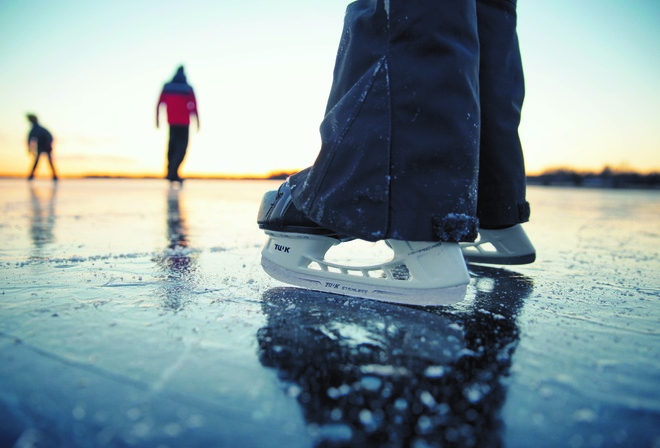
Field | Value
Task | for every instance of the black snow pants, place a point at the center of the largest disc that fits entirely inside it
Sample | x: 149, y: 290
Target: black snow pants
x: 420, y: 137
x: 176, y: 150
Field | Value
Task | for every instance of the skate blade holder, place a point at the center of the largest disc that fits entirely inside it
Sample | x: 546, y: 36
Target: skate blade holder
x: 418, y: 273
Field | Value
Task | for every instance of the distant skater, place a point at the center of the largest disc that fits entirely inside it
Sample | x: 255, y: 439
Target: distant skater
x: 40, y: 141
x: 179, y: 98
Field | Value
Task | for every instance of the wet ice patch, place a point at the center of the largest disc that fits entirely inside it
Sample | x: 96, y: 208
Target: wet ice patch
x: 476, y: 392
x: 434, y: 371
x: 371, y: 383
x: 427, y: 399
x: 354, y: 335
x: 335, y: 433
x: 385, y: 370
x: 336, y: 392
x: 493, y: 315
x: 178, y: 251
x: 61, y: 262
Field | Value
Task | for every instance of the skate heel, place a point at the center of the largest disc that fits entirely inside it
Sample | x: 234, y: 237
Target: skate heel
x: 432, y: 263
x: 503, y: 246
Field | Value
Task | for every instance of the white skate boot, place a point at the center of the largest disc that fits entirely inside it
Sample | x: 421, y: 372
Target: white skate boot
x: 419, y: 273
x: 502, y: 246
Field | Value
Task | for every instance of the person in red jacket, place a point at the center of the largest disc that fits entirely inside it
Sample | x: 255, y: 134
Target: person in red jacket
x: 179, y: 98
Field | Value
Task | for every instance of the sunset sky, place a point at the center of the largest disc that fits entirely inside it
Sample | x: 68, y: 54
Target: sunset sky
x: 261, y: 69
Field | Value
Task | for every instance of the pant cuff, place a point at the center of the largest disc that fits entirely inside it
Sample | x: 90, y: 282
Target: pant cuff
x: 455, y: 227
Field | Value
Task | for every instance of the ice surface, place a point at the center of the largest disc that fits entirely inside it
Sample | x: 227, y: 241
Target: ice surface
x: 136, y: 315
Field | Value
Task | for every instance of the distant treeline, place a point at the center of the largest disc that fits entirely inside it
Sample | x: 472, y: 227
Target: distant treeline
x: 280, y: 175
x: 607, y: 178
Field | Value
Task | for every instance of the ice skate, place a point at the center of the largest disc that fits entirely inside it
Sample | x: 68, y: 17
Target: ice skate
x: 419, y: 273
x: 502, y: 246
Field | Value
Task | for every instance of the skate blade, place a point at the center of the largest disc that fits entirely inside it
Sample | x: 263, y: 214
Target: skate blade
x: 507, y: 260
x: 406, y: 296
x: 427, y: 274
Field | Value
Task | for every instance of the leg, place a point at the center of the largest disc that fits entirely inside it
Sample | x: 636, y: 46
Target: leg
x: 501, y: 204
x: 170, y: 154
x: 502, y: 183
x: 52, y: 166
x: 400, y: 139
x: 181, y: 149
x: 34, y: 167
x: 176, y: 151
x: 398, y: 160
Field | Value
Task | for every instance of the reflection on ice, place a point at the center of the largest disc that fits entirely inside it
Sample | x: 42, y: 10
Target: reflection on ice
x: 369, y: 373
x: 42, y: 219
x: 178, y: 261
x: 176, y: 222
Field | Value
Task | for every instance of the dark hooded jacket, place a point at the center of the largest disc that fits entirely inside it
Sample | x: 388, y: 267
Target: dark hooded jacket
x: 42, y: 136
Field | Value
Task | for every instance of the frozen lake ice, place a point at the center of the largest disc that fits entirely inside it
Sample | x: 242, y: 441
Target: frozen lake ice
x: 136, y: 315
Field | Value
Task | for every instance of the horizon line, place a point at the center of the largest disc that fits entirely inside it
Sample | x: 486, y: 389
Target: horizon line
x: 284, y: 173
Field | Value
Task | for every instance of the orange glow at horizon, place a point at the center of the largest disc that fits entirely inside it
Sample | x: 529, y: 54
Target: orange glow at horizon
x: 66, y: 171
